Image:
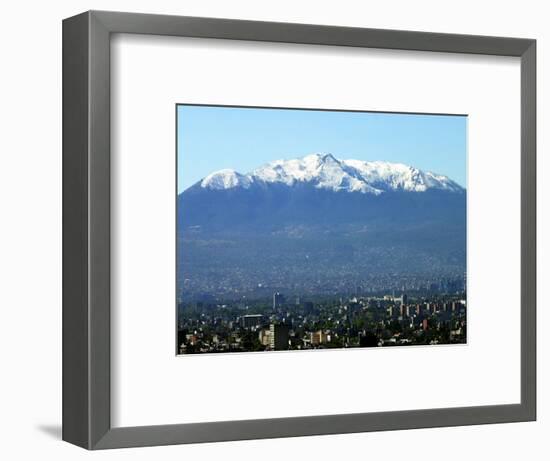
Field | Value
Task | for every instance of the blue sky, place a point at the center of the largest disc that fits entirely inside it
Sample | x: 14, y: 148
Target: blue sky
x: 213, y: 138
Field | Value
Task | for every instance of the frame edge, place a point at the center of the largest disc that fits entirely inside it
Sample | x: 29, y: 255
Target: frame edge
x: 529, y: 231
x: 75, y: 230
x: 86, y: 231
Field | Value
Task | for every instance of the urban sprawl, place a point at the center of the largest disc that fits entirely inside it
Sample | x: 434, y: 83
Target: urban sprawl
x: 281, y: 324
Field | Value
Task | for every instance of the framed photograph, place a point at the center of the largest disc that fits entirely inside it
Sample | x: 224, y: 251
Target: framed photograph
x: 319, y: 252
x: 275, y: 230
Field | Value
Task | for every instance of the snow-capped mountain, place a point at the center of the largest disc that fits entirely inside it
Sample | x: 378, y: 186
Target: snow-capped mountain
x: 324, y: 171
x: 297, y: 222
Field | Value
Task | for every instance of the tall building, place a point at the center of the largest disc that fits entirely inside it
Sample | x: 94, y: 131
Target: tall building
x: 252, y: 320
x: 278, y: 300
x: 278, y: 337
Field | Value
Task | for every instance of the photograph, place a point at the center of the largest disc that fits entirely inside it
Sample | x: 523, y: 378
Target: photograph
x: 301, y: 229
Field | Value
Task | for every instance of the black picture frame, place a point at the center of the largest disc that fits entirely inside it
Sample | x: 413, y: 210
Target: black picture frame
x: 86, y: 229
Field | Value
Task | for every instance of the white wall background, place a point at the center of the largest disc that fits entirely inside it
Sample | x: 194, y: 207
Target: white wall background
x: 30, y: 228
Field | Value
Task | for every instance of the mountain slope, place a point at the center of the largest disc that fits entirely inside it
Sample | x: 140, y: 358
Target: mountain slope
x: 314, y: 223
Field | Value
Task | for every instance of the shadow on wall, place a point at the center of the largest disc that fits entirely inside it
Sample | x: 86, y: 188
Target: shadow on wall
x: 52, y: 430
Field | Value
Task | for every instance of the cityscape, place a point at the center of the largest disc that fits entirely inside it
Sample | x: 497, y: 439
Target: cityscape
x: 280, y: 323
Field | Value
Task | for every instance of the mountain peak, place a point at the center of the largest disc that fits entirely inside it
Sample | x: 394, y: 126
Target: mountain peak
x: 321, y: 157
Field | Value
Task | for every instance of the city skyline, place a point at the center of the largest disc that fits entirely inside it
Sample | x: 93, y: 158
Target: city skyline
x: 283, y: 324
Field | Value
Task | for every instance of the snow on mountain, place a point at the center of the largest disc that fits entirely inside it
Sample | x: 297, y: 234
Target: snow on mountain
x: 397, y: 176
x: 324, y: 171
x: 226, y: 179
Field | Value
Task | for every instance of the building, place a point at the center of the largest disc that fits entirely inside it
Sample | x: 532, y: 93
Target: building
x: 278, y: 337
x: 319, y: 337
x: 278, y: 300
x: 252, y: 320
x: 264, y: 336
x: 402, y: 300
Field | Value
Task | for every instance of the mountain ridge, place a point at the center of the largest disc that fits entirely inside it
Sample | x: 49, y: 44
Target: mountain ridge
x: 324, y: 171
